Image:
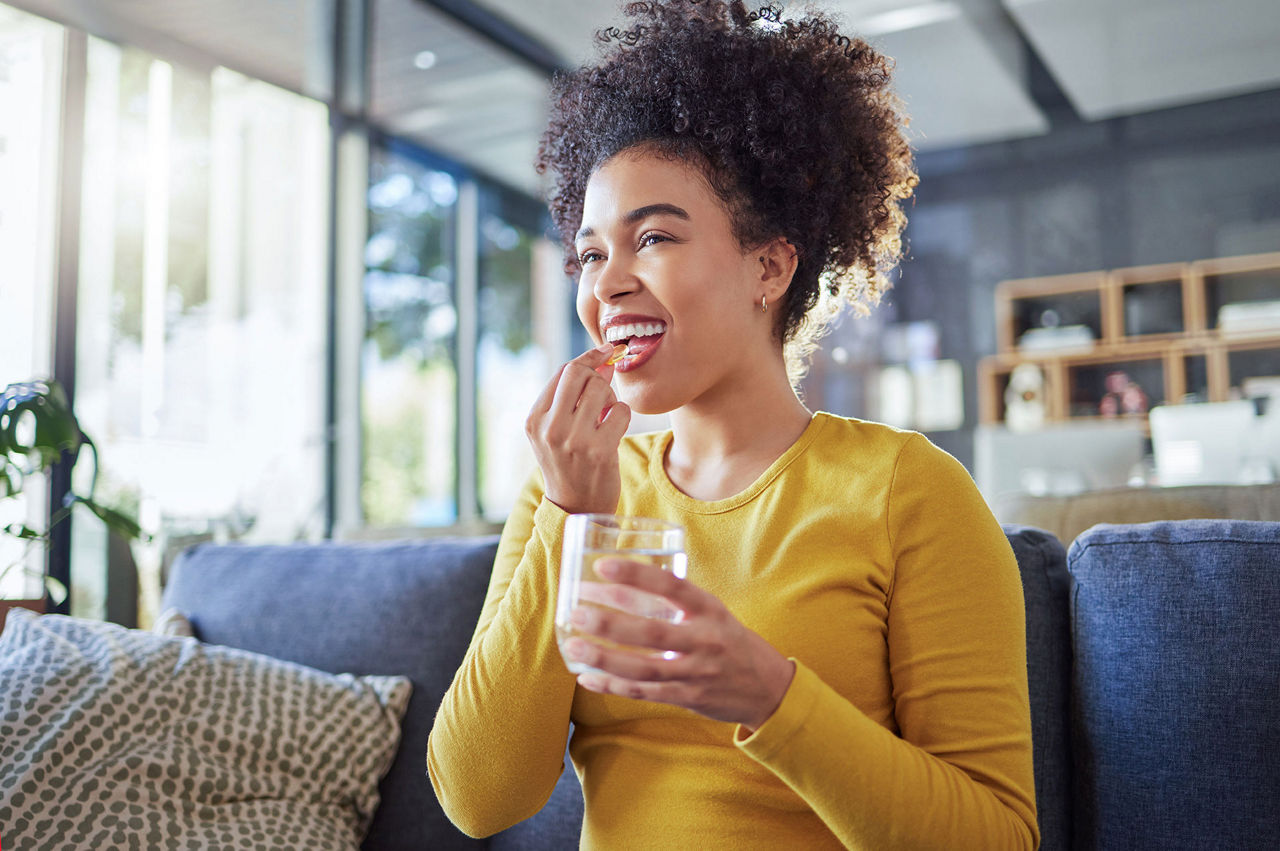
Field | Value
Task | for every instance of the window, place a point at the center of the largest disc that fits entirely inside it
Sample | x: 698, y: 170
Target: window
x: 408, y: 366
x: 30, y: 111
x: 201, y: 321
x: 203, y: 261
x: 520, y: 280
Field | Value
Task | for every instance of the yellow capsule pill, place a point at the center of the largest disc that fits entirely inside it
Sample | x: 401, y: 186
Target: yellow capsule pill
x: 619, y: 352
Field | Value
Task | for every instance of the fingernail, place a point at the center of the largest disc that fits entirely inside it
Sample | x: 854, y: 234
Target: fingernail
x: 580, y: 617
x: 591, y: 682
x: 604, y: 347
x: 607, y: 568
x: 576, y: 650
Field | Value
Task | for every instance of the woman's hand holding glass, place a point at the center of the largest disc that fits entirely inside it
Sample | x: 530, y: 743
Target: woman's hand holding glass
x: 707, y: 662
x: 575, y: 428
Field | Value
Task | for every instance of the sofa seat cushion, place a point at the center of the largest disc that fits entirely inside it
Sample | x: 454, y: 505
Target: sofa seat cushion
x: 118, y: 738
x: 1176, y: 684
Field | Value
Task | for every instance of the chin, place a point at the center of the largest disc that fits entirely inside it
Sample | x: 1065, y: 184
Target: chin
x: 643, y: 401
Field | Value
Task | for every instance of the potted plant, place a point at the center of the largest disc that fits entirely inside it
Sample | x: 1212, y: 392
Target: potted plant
x: 38, y: 429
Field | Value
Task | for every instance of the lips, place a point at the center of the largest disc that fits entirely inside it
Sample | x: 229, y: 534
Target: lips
x: 639, y: 350
x: 642, y: 335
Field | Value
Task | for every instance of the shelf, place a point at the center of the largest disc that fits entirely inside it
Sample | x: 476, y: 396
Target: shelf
x: 1157, y: 323
x: 1150, y: 301
x: 1234, y: 282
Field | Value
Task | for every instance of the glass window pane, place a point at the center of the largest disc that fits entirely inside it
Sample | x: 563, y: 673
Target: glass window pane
x: 408, y: 368
x: 30, y: 109
x: 512, y: 362
x: 201, y: 339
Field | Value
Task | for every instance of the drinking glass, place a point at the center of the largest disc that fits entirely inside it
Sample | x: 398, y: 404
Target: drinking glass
x: 591, y: 537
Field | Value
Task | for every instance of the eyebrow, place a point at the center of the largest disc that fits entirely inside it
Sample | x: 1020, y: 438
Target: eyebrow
x: 641, y: 213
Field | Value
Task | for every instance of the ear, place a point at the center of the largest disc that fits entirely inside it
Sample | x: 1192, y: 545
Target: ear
x: 778, y: 261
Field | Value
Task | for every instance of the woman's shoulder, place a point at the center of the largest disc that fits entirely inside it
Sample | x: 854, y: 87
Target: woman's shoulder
x: 886, y: 449
x: 863, y: 436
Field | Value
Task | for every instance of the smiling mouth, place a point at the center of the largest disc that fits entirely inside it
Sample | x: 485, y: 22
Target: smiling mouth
x: 634, y: 332
x: 641, y: 340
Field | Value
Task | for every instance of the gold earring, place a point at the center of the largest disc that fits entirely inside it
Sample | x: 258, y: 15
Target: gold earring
x: 764, y: 306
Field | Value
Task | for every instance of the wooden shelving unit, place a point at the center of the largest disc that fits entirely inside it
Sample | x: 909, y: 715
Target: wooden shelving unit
x: 1157, y: 323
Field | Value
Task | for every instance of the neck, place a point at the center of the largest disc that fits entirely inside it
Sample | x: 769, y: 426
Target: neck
x: 722, y: 441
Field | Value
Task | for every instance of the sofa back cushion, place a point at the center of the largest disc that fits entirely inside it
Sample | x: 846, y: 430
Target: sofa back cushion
x: 1177, y: 684
x: 388, y: 608
x: 1042, y: 561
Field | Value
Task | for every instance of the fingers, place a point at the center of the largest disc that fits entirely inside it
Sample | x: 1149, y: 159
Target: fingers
x: 626, y: 628
x: 596, y: 395
x: 674, y: 693
x: 648, y: 577
x: 630, y: 665
x: 615, y: 419
x: 580, y: 397
x: 592, y: 359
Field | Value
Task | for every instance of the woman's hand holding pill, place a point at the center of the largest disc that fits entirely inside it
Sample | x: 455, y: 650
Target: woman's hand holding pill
x: 575, y: 427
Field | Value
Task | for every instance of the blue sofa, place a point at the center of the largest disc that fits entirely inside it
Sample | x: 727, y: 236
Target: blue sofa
x: 1153, y: 664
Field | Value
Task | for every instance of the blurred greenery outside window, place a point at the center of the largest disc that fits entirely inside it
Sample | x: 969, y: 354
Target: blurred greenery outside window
x: 409, y: 367
x: 408, y: 362
x: 30, y: 113
x: 512, y: 364
x: 201, y: 316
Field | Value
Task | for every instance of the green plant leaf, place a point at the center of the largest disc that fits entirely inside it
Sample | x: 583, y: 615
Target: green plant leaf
x: 10, y: 478
x: 21, y: 530
x: 57, y: 591
x: 37, y: 429
x: 124, y: 526
x: 53, y: 426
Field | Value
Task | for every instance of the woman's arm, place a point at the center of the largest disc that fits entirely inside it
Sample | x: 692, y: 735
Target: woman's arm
x: 959, y: 774
x: 497, y: 746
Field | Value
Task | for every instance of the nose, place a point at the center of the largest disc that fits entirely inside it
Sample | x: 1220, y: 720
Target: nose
x: 616, y: 279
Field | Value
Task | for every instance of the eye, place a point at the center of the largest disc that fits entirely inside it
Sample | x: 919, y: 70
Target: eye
x: 652, y: 238
x: 589, y: 256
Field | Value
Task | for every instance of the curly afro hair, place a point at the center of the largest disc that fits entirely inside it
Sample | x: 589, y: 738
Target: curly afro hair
x: 793, y: 125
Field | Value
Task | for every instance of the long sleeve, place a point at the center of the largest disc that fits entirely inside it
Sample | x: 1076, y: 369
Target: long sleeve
x: 497, y: 746
x: 959, y: 772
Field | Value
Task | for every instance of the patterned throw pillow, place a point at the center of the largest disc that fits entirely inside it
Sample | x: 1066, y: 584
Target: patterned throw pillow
x: 173, y: 623
x: 116, y: 738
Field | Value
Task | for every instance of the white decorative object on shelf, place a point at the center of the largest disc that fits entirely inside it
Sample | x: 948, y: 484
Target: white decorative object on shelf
x: 1054, y: 339
x: 1024, y: 398
x: 1247, y: 316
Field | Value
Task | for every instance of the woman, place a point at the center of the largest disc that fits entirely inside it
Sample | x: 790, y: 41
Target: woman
x: 850, y: 668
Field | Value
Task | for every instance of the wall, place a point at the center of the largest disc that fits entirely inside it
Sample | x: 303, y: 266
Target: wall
x: 1174, y: 185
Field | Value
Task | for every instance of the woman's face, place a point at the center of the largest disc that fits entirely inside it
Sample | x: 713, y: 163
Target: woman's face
x: 662, y: 271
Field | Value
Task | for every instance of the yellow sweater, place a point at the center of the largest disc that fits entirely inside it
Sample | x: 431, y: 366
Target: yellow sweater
x: 867, y: 556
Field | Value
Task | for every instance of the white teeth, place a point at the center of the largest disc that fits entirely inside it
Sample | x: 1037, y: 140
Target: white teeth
x: 622, y: 332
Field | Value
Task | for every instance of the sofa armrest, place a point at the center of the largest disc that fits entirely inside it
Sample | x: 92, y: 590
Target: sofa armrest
x: 1042, y: 563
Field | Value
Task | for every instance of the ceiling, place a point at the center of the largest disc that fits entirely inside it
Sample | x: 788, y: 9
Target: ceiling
x: 962, y: 65
x: 475, y: 102
x: 1116, y: 57
x: 286, y: 42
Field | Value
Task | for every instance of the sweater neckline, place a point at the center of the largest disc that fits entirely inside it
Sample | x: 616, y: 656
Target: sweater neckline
x: 667, y: 489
